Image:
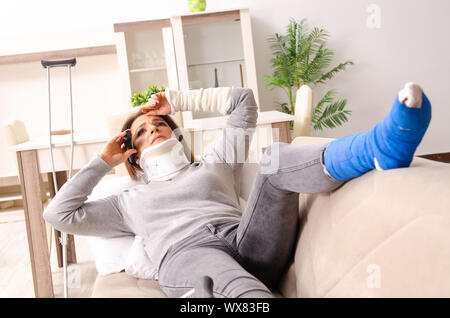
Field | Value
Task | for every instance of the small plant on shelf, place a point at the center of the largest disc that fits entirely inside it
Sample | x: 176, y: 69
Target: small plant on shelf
x: 141, y: 98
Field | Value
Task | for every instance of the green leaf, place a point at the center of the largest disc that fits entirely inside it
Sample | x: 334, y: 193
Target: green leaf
x: 285, y: 108
x: 326, y: 99
x: 329, y: 75
x: 332, y: 116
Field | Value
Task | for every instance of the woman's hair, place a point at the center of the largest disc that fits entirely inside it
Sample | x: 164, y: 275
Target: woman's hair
x: 134, y: 171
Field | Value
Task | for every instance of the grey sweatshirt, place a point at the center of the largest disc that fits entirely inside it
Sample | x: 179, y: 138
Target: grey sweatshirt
x: 164, y: 212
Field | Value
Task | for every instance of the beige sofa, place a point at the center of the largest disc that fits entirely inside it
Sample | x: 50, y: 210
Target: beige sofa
x: 385, y: 234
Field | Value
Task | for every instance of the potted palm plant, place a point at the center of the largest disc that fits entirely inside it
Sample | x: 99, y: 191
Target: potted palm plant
x: 301, y: 57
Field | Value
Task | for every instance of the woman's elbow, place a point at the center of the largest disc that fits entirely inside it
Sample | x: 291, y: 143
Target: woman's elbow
x: 56, y: 219
x: 50, y: 217
x: 247, y: 97
x: 248, y: 91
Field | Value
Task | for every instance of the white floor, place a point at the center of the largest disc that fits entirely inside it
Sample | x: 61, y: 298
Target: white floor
x: 15, y: 270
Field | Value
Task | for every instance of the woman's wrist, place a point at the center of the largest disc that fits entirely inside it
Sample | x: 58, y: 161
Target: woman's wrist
x: 167, y: 95
x: 107, y: 160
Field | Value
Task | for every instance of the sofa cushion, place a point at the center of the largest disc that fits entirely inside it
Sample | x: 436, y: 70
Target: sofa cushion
x: 122, y: 285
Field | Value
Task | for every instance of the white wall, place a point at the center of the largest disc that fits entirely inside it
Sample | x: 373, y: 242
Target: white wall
x: 411, y: 44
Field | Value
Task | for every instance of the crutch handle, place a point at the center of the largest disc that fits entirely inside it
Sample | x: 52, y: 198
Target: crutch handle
x: 58, y: 63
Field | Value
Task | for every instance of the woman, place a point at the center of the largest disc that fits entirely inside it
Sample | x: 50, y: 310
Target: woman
x: 192, y: 221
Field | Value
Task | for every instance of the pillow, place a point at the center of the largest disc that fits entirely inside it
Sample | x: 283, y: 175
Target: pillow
x: 137, y: 262
x: 110, y: 254
x: 113, y: 255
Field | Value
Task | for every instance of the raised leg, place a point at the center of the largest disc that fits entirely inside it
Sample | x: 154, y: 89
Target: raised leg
x: 390, y: 144
x: 268, y: 230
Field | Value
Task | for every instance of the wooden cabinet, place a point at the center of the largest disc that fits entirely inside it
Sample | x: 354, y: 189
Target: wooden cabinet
x: 191, y: 51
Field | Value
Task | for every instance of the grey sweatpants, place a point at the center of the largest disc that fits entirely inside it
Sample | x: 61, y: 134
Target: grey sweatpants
x: 248, y: 257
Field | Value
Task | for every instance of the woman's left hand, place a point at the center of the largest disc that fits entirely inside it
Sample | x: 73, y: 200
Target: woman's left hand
x: 157, y: 105
x: 114, y: 152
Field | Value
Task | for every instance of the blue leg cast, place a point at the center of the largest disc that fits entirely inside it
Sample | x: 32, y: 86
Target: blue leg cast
x: 390, y: 144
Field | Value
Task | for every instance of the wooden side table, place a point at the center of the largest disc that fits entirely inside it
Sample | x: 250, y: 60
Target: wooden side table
x: 34, y: 158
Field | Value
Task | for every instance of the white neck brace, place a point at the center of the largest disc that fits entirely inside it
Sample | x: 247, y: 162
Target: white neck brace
x: 164, y: 160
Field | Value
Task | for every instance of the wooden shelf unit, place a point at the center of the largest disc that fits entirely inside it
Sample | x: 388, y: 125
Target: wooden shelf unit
x: 192, y: 47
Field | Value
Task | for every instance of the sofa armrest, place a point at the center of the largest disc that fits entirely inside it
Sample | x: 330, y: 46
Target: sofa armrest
x: 384, y: 234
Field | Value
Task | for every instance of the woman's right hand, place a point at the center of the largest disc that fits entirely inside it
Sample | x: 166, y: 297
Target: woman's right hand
x: 114, y: 152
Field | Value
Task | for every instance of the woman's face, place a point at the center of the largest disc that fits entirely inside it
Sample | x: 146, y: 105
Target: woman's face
x: 147, y: 131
